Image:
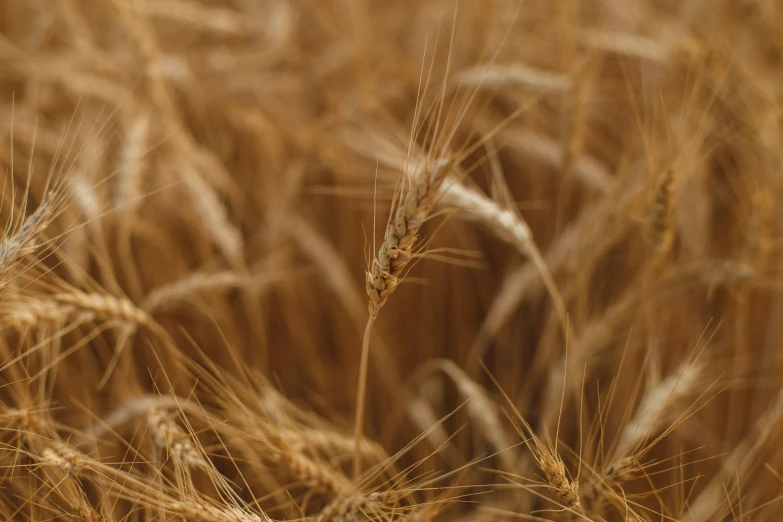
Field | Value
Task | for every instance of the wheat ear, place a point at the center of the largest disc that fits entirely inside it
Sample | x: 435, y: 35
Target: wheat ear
x: 652, y: 410
x: 414, y: 207
x: 416, y: 200
x: 508, y: 226
x: 585, y: 236
x: 15, y: 245
x: 104, y: 306
x: 169, y: 435
x: 514, y: 75
x: 548, y: 459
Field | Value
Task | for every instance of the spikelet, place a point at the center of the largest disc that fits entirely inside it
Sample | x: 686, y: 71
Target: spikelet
x: 620, y: 470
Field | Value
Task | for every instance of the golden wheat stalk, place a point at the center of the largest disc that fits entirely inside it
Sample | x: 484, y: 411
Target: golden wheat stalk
x: 416, y: 200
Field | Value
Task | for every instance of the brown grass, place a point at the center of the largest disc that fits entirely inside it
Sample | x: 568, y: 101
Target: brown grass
x: 413, y: 260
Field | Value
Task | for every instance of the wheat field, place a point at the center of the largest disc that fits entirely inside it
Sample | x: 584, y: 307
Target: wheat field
x: 406, y: 260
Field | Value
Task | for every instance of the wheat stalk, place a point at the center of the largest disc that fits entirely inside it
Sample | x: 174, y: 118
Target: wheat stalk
x: 418, y: 196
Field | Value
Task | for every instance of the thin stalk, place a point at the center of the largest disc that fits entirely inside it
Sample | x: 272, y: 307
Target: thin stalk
x: 361, y: 394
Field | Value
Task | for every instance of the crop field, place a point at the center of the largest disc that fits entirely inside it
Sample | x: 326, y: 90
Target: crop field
x: 391, y: 261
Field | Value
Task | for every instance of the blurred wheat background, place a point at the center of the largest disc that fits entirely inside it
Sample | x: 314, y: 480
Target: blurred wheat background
x: 560, y: 220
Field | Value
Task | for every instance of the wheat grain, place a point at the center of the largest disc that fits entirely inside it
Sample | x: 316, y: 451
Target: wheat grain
x: 551, y: 464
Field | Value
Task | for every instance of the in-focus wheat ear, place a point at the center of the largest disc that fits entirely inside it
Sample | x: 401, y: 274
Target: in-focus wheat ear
x: 416, y: 199
x: 396, y: 251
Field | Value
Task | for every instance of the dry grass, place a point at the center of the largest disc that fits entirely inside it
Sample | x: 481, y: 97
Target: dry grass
x: 213, y: 215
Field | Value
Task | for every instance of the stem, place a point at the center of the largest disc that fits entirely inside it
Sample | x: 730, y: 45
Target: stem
x: 361, y: 394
